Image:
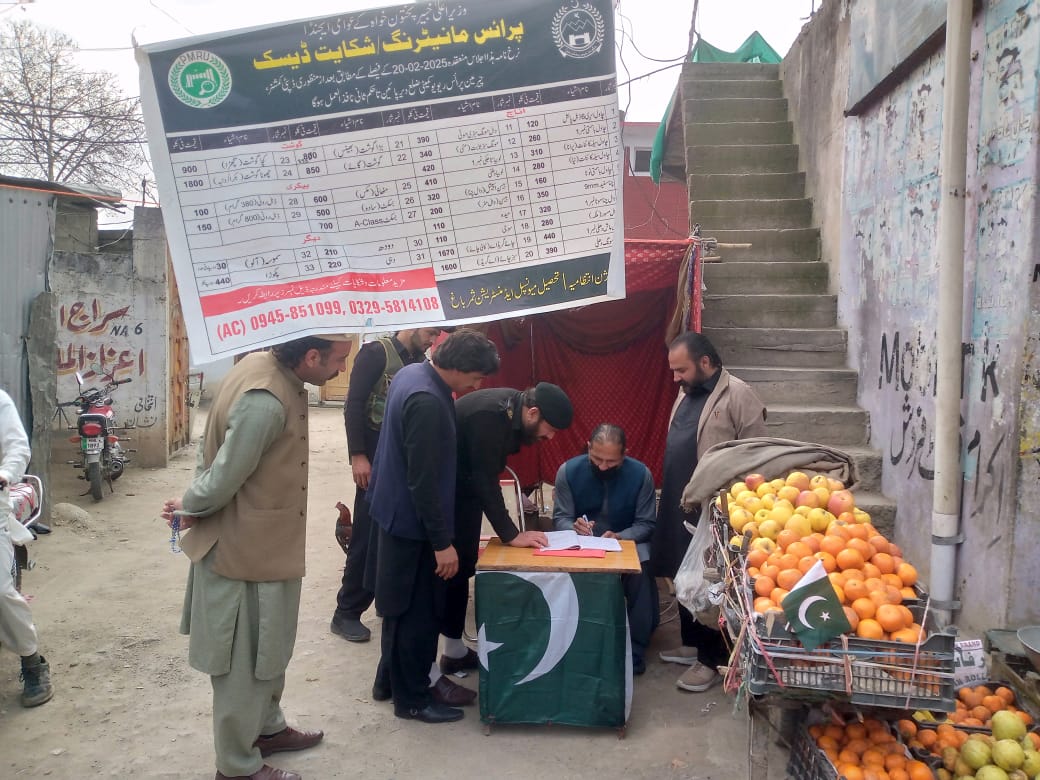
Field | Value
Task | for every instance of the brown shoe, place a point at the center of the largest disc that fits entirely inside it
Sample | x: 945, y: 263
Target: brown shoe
x: 287, y: 739
x: 264, y: 773
x: 454, y: 695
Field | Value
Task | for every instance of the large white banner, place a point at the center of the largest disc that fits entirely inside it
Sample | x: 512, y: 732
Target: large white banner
x: 428, y: 163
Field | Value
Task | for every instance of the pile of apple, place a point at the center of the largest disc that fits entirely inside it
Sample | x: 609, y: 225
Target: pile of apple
x: 1007, y: 753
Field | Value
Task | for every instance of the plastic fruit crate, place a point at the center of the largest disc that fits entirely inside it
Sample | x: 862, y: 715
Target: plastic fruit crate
x: 870, y: 672
x: 808, y: 762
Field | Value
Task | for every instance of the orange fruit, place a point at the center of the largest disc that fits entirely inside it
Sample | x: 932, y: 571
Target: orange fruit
x: 870, y: 629
x: 927, y: 737
x: 864, y: 607
x: 829, y: 563
x: 799, y: 550
x: 806, y: 563
x: 785, y: 537
x: 879, y: 543
x: 827, y: 742
x: 836, y: 578
x: 840, y: 593
x: 873, y: 756
x: 967, y: 695
x: 778, y: 595
x: 856, y: 589
x: 850, y: 771
x: 894, y: 761
x: 898, y: 774
x: 763, y: 604
x: 908, y: 593
x: 1006, y: 694
x: 984, y: 690
x: 919, y: 770
x: 890, y: 617
x: 813, y: 540
x: 788, y: 578
x: 757, y: 557
x: 992, y: 703
x: 906, y: 635
x: 852, y: 617
x: 907, y: 573
x: 871, y: 571
x: 1025, y: 717
x: 907, y: 615
x: 907, y: 728
x: 884, y: 563
x: 855, y: 574
x: 857, y: 731
x: 893, y: 580
x: 770, y: 570
x: 764, y: 585
x: 788, y: 561
x: 832, y: 545
x: 1035, y: 738
x: 849, y: 559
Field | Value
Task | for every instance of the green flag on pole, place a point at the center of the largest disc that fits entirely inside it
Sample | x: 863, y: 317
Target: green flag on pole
x: 813, y: 609
x: 553, y: 648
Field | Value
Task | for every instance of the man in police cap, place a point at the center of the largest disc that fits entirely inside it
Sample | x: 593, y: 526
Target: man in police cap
x: 492, y: 424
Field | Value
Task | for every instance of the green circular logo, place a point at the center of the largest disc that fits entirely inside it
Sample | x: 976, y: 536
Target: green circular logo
x: 200, y: 79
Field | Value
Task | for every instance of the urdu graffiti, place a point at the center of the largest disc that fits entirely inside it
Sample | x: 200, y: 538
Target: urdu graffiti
x: 101, y: 341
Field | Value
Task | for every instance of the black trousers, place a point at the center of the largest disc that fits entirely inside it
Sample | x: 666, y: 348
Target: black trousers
x: 353, y: 597
x: 711, y: 647
x: 644, y: 609
x: 411, y: 597
x: 468, y: 516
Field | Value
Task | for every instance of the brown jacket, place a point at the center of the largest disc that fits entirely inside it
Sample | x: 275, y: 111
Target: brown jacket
x: 262, y: 530
x: 732, y: 411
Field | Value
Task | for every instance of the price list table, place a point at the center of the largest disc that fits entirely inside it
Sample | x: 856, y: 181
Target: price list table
x: 462, y: 194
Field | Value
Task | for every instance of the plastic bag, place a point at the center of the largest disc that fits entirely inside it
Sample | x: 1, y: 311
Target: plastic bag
x: 693, y: 580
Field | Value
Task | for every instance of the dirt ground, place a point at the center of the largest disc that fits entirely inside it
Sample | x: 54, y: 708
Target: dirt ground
x: 106, y: 596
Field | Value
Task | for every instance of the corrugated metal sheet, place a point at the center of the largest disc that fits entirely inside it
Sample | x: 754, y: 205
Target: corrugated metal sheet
x: 26, y: 239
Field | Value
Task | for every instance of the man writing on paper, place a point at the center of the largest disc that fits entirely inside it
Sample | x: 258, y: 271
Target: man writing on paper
x: 374, y: 367
x: 247, y: 511
x: 492, y: 425
x: 606, y: 493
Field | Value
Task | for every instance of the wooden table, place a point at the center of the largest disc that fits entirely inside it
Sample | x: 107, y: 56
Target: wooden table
x: 501, y: 557
x: 553, y: 637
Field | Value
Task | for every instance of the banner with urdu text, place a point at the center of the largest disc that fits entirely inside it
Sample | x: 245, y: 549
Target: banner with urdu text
x: 440, y: 162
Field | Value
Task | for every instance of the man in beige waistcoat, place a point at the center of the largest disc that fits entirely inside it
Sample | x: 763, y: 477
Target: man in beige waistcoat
x: 247, y: 511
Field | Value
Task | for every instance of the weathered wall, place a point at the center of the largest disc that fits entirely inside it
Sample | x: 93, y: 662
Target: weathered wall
x: 815, y: 75
x: 111, y: 314
x: 889, y: 283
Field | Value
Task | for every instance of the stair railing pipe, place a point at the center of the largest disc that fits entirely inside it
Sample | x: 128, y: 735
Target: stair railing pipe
x: 946, y: 490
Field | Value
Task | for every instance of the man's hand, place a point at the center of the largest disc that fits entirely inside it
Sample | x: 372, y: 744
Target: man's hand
x: 583, y: 526
x: 530, y: 539
x: 361, y: 469
x: 174, y: 505
x: 610, y: 535
x: 447, y: 562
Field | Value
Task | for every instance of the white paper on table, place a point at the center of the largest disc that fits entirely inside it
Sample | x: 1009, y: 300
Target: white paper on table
x: 571, y: 540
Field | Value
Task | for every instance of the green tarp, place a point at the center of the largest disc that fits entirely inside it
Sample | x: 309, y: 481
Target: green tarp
x: 754, y: 49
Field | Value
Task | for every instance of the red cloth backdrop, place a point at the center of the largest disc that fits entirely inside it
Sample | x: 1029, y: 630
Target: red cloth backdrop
x: 610, y: 358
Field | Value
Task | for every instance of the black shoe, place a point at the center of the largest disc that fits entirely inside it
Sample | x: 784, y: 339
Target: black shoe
x: 381, y: 691
x: 451, y: 665
x: 36, y: 677
x: 638, y: 666
x: 351, y: 629
x: 431, y: 713
x: 40, y: 528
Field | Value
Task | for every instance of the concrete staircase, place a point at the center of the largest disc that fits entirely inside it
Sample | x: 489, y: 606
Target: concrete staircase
x: 767, y: 307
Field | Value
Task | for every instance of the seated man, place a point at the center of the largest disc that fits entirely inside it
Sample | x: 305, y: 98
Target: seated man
x: 605, y: 493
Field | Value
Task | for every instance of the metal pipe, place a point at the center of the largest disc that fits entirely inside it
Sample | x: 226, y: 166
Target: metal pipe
x: 946, y: 489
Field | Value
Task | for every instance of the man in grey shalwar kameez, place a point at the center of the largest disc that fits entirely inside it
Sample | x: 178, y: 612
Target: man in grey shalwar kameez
x: 246, y: 508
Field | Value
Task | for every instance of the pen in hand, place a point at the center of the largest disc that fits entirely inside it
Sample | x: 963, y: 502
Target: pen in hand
x: 584, y: 526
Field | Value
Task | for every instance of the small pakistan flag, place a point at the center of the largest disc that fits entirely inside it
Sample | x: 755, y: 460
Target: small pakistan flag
x: 813, y: 609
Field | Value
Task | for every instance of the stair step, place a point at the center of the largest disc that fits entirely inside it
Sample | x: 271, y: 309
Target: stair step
x: 823, y: 424
x: 731, y: 278
x: 748, y: 158
x: 770, y: 311
x: 699, y: 89
x: 816, y: 386
x: 730, y: 70
x: 769, y: 245
x: 721, y: 133
x: 803, y: 347
x: 728, y: 109
x: 739, y: 186
x: 757, y: 213
x: 882, y: 511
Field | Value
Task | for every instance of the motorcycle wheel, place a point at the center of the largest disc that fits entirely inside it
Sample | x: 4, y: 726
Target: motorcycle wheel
x: 94, y: 478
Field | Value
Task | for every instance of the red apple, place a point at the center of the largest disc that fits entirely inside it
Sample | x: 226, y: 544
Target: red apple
x: 839, y: 502
x: 808, y: 498
x: 753, y: 481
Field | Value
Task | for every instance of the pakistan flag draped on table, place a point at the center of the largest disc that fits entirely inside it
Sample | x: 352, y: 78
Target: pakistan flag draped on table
x: 554, y: 648
x: 412, y: 165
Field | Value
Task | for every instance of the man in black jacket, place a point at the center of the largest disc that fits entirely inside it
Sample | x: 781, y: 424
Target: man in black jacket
x: 374, y: 367
x: 492, y: 424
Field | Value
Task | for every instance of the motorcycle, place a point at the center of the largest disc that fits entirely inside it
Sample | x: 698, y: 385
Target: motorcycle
x: 102, y: 454
x: 26, y: 499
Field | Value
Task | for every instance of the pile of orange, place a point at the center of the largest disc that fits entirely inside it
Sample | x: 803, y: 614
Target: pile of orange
x: 976, y: 706
x: 867, y: 571
x: 868, y: 751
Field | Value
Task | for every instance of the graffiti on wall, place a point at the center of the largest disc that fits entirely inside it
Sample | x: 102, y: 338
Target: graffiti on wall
x: 99, y: 341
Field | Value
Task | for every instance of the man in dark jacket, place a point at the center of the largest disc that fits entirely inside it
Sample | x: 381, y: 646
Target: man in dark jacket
x: 374, y: 367
x: 412, y: 500
x: 492, y: 424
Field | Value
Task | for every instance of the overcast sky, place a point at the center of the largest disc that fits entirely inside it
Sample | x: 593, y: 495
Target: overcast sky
x: 659, y: 29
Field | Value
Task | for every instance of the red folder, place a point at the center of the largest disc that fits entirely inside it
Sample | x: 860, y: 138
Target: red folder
x: 573, y: 553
